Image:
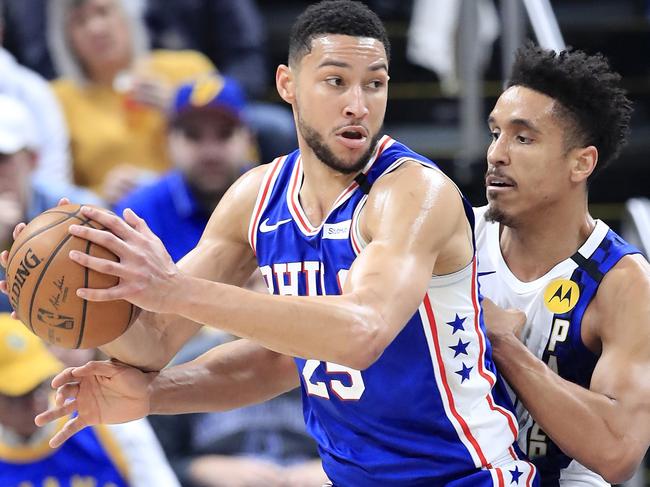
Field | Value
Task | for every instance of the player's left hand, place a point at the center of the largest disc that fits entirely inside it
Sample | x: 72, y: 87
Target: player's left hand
x: 502, y: 322
x: 146, y: 271
x: 101, y: 392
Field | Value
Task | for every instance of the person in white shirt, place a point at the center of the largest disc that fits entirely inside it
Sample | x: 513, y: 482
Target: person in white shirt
x: 34, y: 92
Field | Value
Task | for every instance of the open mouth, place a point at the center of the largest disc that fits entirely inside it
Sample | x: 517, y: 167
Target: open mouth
x: 353, y: 136
x: 354, y: 132
x: 494, y: 182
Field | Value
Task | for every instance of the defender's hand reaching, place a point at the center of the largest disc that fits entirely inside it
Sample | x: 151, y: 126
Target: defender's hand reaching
x: 501, y: 322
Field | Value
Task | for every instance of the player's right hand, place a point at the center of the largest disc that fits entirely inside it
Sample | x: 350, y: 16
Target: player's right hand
x: 101, y: 392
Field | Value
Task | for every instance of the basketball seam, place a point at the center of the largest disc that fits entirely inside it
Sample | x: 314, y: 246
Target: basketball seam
x: 45, y: 267
x: 51, y: 225
x: 84, y: 305
x: 131, y: 313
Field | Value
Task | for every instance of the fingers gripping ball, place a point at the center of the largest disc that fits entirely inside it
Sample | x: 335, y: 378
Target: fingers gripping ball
x: 42, y: 283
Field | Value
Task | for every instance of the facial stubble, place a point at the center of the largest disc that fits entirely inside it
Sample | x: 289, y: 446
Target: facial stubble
x: 316, y: 143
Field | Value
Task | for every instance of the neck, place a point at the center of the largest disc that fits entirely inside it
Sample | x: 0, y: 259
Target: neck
x: 542, y: 240
x: 10, y: 437
x: 321, y: 186
x: 207, y: 201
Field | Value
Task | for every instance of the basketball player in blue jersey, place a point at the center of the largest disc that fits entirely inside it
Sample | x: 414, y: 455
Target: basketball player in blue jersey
x: 581, y: 373
x: 368, y: 250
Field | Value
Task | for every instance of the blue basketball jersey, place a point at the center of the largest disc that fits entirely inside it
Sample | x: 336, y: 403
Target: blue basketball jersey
x: 90, y: 457
x: 431, y: 411
x: 554, y: 305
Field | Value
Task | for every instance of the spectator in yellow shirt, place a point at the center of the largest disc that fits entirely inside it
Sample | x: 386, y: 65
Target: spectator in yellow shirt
x: 114, y: 91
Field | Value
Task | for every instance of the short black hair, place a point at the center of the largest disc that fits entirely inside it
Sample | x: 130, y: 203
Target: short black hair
x: 344, y: 17
x: 592, y: 102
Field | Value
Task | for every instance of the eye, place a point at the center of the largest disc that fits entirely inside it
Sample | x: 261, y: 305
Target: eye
x: 524, y: 140
x: 376, y: 84
x: 334, y: 81
x: 494, y: 134
x: 192, y: 133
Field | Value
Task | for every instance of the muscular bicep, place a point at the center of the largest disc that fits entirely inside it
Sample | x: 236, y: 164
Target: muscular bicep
x: 621, y: 374
x: 416, y: 227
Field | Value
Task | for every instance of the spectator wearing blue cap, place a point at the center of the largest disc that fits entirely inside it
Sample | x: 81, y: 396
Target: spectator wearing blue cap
x: 210, y: 146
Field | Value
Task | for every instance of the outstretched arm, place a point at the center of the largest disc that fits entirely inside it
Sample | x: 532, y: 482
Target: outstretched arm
x: 412, y: 216
x: 614, y: 413
x: 229, y: 376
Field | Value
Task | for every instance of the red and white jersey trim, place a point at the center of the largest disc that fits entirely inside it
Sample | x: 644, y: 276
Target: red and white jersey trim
x: 268, y: 182
x: 451, y: 319
x: 293, y: 200
x: 356, y: 238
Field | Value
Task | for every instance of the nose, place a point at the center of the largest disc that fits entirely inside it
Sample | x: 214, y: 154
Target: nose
x: 356, y: 106
x: 96, y: 25
x: 211, y: 149
x: 498, y: 153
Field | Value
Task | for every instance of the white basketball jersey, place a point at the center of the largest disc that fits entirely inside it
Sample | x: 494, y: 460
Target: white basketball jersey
x: 554, y: 305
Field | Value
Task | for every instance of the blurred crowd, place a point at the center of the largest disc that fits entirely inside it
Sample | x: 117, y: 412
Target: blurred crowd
x: 157, y: 106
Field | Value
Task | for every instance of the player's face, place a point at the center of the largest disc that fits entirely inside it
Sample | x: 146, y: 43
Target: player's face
x: 210, y: 150
x: 340, y: 99
x: 528, y: 169
x: 99, y: 35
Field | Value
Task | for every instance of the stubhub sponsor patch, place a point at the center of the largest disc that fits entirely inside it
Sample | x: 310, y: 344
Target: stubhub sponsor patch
x: 337, y: 231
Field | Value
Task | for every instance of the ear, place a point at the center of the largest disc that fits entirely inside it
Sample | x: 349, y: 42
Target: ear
x: 584, y: 163
x: 285, y: 83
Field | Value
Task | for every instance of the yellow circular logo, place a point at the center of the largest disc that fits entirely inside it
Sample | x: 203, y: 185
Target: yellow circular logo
x: 206, y: 90
x: 561, y: 296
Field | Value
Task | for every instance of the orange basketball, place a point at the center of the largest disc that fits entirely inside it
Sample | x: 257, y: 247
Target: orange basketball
x: 42, y: 282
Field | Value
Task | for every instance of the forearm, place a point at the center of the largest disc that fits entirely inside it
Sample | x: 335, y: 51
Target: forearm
x: 337, y: 329
x: 575, y: 418
x: 148, y: 343
x: 230, y: 376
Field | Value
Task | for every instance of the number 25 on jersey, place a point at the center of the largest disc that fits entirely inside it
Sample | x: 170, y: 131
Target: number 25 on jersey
x: 351, y: 390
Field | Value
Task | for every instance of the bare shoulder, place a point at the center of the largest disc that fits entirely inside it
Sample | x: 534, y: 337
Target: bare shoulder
x: 415, y: 177
x: 415, y: 191
x: 232, y: 214
x: 628, y: 279
x: 249, y: 183
x: 420, y: 209
x: 623, y: 297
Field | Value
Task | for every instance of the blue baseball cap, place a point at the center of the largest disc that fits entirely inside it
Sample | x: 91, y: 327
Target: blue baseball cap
x: 212, y: 92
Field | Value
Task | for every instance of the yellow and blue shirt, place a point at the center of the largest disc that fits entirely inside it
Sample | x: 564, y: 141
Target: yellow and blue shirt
x: 90, y: 458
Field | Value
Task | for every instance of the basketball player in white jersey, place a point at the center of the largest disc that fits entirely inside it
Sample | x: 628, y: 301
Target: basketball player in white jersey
x: 581, y: 374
